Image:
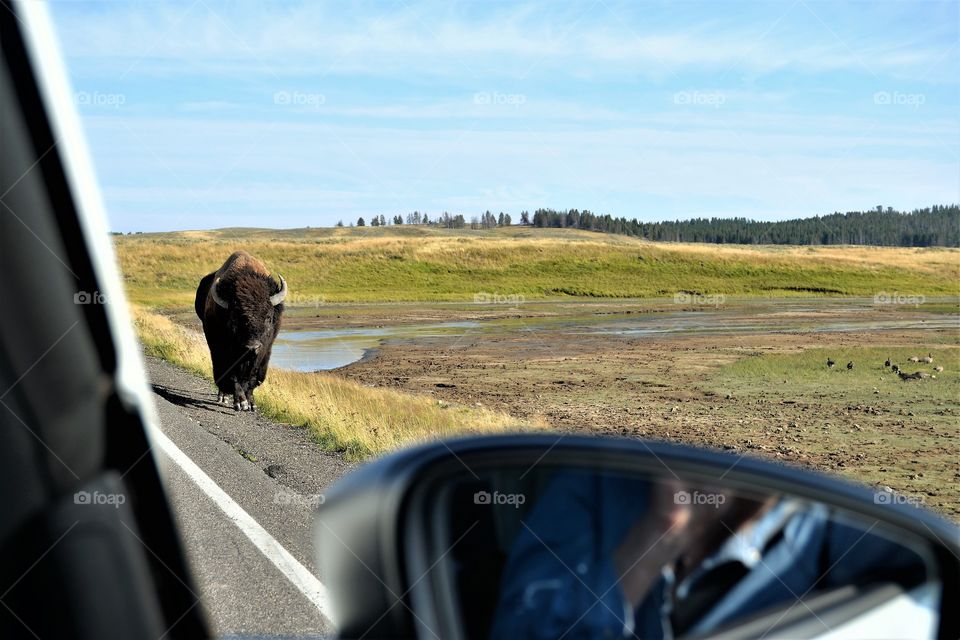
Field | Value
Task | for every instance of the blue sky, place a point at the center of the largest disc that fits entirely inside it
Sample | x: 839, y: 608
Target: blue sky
x: 205, y: 114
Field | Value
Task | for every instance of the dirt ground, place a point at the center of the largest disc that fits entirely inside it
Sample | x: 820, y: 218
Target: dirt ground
x: 674, y: 387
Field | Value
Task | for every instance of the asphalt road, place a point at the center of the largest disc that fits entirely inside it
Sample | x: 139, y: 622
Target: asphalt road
x: 274, y: 473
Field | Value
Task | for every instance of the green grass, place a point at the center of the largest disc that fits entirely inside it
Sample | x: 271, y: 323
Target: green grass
x: 804, y: 377
x: 807, y: 376
x: 415, y: 264
x: 889, y: 431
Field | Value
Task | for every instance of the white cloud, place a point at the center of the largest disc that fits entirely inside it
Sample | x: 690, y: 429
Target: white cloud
x: 314, y: 39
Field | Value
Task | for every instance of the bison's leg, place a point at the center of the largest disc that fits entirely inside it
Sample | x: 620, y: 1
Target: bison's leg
x: 221, y: 373
x: 248, y: 388
x: 240, y: 402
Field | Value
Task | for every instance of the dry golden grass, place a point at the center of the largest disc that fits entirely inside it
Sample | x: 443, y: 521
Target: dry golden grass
x: 361, y: 420
x: 342, y: 415
x: 934, y: 260
x: 162, y: 338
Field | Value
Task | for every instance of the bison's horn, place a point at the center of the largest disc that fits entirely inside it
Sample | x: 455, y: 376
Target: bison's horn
x: 278, y: 297
x: 216, y: 298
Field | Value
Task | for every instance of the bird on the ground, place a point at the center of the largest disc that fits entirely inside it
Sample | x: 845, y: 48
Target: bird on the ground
x: 928, y: 359
x: 938, y: 369
x: 887, y: 363
x: 850, y: 365
x: 895, y: 368
x: 914, y: 359
x: 830, y: 363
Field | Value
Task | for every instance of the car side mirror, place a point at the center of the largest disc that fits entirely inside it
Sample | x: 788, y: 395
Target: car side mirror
x: 548, y: 536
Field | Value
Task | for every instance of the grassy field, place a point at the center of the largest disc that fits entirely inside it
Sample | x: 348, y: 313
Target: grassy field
x: 864, y: 422
x: 422, y: 264
x: 765, y: 391
x: 342, y: 415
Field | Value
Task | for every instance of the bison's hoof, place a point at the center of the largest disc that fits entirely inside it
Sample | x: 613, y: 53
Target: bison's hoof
x: 244, y: 406
x: 253, y: 407
x: 236, y: 406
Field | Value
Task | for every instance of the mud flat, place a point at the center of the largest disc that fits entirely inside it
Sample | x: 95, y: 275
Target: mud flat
x: 746, y: 377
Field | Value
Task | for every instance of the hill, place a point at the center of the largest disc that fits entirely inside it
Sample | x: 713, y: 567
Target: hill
x: 421, y: 263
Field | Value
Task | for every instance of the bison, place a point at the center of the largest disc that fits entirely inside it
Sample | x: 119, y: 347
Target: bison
x: 240, y: 306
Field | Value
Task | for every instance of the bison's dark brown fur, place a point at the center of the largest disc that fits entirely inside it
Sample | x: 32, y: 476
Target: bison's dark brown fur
x: 240, y: 306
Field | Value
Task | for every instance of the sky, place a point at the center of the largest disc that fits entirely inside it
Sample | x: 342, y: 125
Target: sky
x: 202, y: 114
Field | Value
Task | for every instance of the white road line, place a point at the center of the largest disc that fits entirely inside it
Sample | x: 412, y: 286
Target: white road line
x: 301, y: 577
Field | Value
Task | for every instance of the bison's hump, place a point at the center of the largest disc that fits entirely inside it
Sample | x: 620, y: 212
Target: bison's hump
x: 240, y: 261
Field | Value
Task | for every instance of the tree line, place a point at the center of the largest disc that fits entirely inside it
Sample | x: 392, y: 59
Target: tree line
x: 485, y: 221
x: 936, y: 226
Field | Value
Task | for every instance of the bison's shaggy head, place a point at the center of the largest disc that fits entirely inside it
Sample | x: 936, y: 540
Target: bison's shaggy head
x: 253, y: 303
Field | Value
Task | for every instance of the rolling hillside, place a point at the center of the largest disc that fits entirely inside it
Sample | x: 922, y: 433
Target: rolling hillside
x: 430, y: 264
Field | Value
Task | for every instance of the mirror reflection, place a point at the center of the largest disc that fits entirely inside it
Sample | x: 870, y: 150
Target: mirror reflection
x: 575, y: 553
